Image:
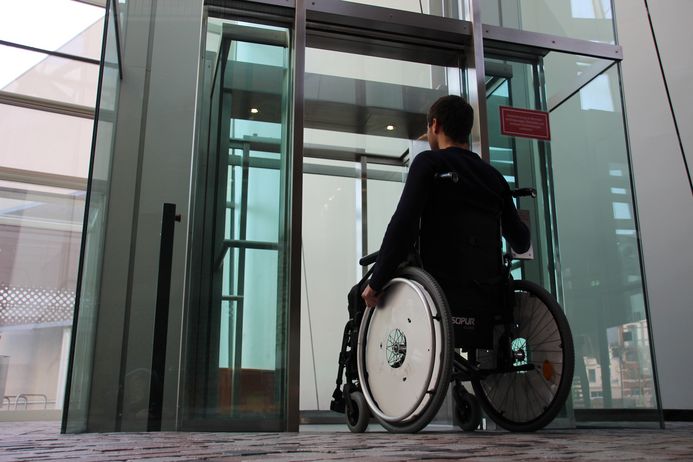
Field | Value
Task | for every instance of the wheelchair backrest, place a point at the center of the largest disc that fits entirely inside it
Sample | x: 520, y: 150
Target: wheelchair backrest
x: 474, y: 281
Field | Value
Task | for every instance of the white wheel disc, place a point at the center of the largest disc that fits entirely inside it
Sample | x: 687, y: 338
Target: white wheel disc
x: 398, y: 351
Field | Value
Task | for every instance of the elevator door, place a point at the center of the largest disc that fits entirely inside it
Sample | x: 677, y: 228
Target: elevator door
x: 365, y: 108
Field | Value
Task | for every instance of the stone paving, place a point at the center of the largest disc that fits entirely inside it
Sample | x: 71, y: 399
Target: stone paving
x: 40, y: 441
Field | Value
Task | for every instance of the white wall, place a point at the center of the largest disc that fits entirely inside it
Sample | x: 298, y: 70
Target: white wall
x: 331, y: 249
x: 662, y: 187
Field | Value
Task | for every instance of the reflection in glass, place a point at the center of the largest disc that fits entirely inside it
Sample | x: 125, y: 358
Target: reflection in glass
x: 40, y: 230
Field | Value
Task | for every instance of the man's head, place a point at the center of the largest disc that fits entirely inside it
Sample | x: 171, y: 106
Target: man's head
x: 449, y: 117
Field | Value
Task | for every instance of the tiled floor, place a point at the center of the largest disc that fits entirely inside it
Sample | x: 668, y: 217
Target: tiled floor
x: 39, y: 441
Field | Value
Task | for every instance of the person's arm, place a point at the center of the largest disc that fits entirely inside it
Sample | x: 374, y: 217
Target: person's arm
x: 514, y: 230
x: 403, y: 229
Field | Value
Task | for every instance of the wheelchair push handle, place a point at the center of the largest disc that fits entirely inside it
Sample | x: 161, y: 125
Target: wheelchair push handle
x: 524, y: 192
x: 519, y: 192
x: 369, y: 259
x: 452, y: 176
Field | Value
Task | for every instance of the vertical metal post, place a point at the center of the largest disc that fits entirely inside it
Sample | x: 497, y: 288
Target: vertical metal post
x: 236, y: 391
x: 364, y: 209
x: 476, y: 83
x: 293, y: 343
x: 163, y: 290
x: 545, y: 166
x: 233, y: 286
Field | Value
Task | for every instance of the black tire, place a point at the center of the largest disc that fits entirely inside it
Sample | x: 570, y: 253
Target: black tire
x: 526, y: 401
x: 357, y: 419
x: 467, y: 410
x: 445, y: 353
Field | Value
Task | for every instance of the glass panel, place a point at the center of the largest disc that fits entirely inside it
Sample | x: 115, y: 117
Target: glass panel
x: 78, y: 392
x: 568, y: 73
x: 55, y: 25
x: 599, y: 254
x: 40, y: 231
x: 244, y: 265
x: 581, y: 19
x: 446, y: 8
x: 363, y: 115
x: 52, y: 152
x: 44, y: 76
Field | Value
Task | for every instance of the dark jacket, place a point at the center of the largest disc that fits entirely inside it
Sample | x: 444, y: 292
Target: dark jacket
x: 457, y: 224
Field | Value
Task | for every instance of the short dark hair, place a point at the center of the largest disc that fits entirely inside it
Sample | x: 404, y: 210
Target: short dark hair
x: 454, y: 115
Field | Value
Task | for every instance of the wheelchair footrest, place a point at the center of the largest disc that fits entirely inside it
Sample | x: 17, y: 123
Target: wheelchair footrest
x: 337, y: 405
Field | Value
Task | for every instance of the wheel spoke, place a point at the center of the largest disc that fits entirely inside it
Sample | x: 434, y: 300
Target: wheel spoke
x: 548, y: 336
x: 541, y: 325
x: 533, y: 303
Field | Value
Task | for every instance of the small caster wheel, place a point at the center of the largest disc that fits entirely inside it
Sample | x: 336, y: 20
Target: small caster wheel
x: 357, y: 418
x: 467, y: 410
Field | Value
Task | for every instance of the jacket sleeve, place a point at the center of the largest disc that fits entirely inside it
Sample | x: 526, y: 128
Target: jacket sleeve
x: 403, y: 230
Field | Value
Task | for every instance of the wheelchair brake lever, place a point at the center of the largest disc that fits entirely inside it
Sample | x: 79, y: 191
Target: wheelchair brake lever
x: 524, y: 192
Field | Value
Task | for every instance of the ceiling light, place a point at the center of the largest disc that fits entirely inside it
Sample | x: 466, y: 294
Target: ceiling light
x: 254, y: 110
x: 389, y: 128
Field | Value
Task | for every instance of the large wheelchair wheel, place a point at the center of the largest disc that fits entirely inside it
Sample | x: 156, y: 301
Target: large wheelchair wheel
x: 534, y: 366
x: 405, y: 349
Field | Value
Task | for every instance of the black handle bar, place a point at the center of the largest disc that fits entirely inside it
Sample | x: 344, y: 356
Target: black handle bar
x: 523, y: 192
x: 519, y: 192
x: 452, y: 176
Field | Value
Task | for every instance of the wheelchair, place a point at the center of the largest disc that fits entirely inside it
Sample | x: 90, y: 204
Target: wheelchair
x: 398, y: 359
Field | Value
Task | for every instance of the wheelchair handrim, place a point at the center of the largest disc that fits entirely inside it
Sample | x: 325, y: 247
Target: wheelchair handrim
x: 363, y: 331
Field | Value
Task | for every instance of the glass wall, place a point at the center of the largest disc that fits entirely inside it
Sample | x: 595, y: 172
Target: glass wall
x: 365, y: 95
x: 599, y: 253
x: 50, y: 52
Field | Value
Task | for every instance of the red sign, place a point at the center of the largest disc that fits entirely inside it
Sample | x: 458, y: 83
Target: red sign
x: 525, y: 123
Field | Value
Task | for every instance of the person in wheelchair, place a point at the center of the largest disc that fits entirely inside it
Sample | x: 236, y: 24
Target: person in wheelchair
x: 440, y: 283
x: 454, y: 221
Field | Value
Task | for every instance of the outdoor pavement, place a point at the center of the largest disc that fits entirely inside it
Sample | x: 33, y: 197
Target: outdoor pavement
x: 41, y: 441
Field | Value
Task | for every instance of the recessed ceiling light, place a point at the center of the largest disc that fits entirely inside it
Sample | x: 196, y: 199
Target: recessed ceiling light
x: 254, y: 110
x: 390, y: 128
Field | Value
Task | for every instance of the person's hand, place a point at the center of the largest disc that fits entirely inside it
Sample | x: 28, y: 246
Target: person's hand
x: 370, y: 296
